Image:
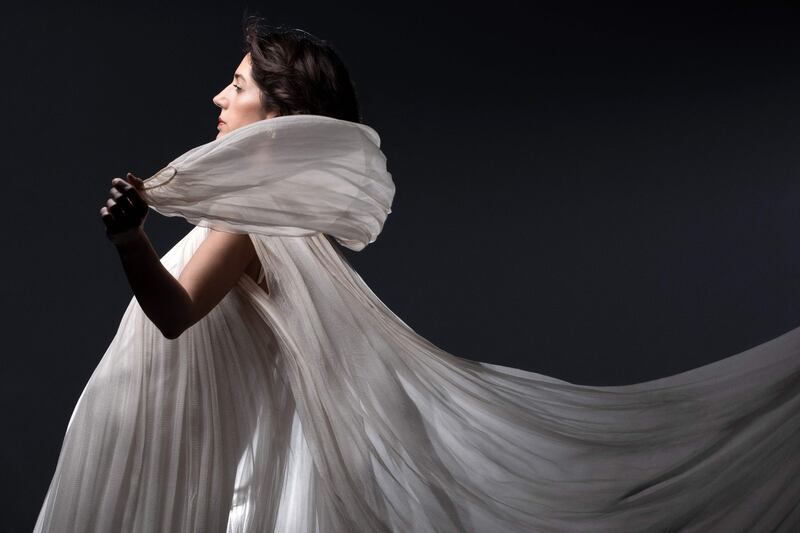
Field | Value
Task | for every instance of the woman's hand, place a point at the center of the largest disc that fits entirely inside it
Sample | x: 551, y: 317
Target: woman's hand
x: 125, y: 210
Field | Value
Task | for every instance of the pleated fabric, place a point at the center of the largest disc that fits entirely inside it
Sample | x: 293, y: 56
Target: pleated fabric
x: 314, y: 408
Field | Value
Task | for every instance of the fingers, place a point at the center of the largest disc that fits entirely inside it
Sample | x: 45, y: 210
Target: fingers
x: 127, y: 197
x: 108, y: 218
x: 117, y: 210
x: 131, y: 193
x: 138, y: 183
x: 125, y: 208
x: 123, y: 201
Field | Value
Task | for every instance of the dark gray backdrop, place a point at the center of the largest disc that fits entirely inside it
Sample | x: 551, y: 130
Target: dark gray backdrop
x: 602, y: 195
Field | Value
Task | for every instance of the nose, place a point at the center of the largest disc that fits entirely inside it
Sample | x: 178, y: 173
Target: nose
x: 218, y: 101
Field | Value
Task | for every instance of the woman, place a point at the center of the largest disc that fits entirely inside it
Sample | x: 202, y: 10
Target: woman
x: 305, y: 404
x: 254, y: 94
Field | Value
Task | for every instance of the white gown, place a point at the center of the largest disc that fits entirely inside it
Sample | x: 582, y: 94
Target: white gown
x: 315, y: 409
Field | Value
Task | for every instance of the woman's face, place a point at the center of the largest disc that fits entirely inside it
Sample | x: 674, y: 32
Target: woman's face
x: 239, y: 101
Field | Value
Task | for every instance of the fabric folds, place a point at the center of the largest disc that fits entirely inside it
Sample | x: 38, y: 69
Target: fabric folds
x: 294, y: 175
x: 314, y: 408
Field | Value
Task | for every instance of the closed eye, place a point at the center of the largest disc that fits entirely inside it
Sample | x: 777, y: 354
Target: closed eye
x: 237, y: 87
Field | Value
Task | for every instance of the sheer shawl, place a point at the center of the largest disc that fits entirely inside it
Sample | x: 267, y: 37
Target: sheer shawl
x: 360, y: 424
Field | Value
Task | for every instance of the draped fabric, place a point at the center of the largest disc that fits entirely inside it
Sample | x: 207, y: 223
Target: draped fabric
x: 294, y: 175
x: 314, y: 408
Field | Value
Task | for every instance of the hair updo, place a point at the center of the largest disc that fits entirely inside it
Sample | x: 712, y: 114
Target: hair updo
x: 298, y: 73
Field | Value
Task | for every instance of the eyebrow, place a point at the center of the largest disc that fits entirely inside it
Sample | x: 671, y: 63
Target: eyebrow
x: 237, y: 75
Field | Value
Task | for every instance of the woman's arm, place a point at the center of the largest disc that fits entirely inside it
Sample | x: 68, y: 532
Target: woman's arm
x: 173, y: 305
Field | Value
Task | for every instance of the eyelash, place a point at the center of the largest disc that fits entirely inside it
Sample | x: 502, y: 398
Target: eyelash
x: 237, y: 87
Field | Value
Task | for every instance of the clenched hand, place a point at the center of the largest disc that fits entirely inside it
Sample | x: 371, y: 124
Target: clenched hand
x: 125, y: 210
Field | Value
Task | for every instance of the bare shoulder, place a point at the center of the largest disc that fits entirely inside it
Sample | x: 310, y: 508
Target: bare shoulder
x: 217, y: 239
x: 217, y: 264
x: 222, y: 248
x: 212, y: 271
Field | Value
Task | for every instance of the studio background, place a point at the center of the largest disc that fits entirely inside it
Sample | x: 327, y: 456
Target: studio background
x: 605, y: 196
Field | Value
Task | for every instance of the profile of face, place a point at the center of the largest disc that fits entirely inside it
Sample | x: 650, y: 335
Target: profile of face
x: 239, y: 102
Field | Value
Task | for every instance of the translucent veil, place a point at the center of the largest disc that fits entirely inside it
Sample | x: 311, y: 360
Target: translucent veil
x: 357, y: 423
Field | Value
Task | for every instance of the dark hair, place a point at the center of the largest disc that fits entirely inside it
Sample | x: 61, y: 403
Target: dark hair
x: 298, y: 73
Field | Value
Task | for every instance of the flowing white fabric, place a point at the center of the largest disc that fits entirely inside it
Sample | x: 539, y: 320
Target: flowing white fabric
x: 314, y: 408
